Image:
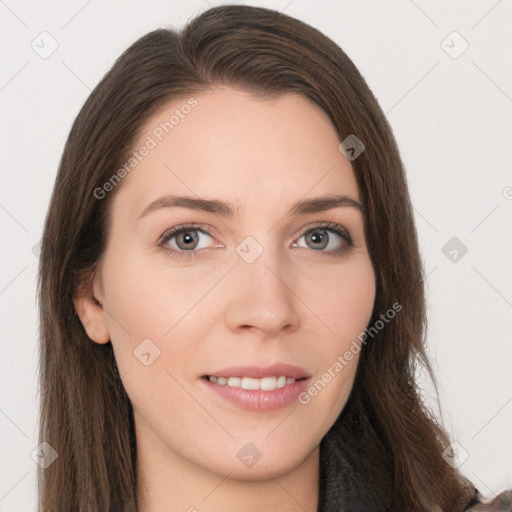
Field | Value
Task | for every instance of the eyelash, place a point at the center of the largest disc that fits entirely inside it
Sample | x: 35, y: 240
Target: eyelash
x: 193, y: 253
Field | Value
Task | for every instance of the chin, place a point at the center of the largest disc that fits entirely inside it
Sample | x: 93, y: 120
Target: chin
x: 252, y: 464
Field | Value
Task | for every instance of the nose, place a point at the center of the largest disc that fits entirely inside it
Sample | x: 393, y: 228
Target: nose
x: 261, y: 297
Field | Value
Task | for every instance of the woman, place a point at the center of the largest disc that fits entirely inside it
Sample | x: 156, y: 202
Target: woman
x: 231, y: 292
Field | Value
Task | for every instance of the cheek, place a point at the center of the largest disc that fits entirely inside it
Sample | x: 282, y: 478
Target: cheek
x: 146, y: 298
x: 341, y: 296
x: 156, y: 315
x: 346, y: 309
x: 351, y: 306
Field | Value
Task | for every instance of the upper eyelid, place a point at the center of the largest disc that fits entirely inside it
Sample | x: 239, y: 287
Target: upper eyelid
x: 171, y: 232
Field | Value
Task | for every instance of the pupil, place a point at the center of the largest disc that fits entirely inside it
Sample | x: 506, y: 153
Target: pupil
x: 317, y: 237
x: 189, y: 238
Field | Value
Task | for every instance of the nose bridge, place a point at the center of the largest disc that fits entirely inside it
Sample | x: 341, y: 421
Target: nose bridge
x: 261, y: 297
x: 262, y: 265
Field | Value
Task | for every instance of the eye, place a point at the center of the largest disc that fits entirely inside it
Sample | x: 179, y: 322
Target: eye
x: 185, y: 239
x: 319, y: 239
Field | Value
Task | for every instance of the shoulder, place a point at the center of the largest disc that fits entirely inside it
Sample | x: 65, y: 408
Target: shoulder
x: 501, y: 503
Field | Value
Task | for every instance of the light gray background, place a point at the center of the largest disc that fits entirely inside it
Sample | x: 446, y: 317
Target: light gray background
x: 452, y: 118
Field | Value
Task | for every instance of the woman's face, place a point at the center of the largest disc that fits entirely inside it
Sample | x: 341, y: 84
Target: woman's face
x: 260, y: 286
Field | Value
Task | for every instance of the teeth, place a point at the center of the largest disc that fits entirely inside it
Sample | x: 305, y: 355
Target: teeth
x: 249, y: 383
x: 268, y: 383
x: 265, y: 384
x: 234, y: 382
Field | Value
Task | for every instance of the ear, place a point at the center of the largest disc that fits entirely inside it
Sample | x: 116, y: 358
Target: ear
x: 88, y: 301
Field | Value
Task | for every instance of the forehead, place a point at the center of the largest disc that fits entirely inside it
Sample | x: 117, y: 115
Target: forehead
x: 229, y: 144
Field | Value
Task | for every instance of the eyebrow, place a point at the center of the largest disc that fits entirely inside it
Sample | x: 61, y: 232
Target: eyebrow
x: 227, y: 209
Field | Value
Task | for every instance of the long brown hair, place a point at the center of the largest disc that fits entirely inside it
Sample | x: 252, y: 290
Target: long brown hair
x: 385, y: 449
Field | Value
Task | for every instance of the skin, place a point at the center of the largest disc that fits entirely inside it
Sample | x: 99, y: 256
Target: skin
x: 302, y: 305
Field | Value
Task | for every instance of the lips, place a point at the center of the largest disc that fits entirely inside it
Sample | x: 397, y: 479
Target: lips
x: 257, y: 388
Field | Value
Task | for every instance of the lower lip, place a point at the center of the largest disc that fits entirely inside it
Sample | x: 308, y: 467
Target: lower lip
x: 257, y: 399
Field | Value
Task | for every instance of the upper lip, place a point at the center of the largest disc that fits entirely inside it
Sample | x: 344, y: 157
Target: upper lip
x: 258, y: 372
